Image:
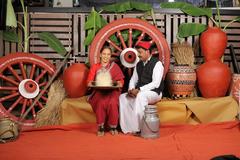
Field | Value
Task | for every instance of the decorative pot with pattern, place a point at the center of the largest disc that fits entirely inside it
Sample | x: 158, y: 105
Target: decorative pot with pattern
x: 181, y: 81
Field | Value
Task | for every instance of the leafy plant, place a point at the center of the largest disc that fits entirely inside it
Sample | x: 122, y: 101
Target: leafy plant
x: 189, y: 29
x: 95, y: 21
x: 10, y: 33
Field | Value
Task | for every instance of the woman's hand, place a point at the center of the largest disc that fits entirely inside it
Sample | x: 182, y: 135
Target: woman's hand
x: 90, y: 83
x: 119, y: 84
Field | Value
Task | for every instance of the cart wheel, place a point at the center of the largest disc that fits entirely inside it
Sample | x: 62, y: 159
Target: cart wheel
x: 123, y: 35
x: 22, y: 77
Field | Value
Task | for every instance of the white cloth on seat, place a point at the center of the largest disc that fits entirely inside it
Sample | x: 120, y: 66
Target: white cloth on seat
x: 132, y: 109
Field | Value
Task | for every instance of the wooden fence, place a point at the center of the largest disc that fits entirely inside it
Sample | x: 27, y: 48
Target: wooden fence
x: 69, y: 28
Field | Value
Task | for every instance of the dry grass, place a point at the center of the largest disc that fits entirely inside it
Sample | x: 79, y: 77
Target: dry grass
x: 183, y: 53
x: 51, y: 113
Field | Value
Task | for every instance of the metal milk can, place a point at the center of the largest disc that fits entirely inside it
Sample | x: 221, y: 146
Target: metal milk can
x: 150, y: 122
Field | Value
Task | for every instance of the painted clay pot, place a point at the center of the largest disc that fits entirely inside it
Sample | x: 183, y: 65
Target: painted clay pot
x: 75, y: 80
x: 213, y: 78
x: 213, y: 43
x: 235, y: 87
x: 181, y: 81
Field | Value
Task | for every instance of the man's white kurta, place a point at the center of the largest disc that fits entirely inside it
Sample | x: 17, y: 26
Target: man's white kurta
x: 132, y: 109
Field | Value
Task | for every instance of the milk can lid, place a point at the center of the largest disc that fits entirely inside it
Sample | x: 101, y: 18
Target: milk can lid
x: 150, y: 107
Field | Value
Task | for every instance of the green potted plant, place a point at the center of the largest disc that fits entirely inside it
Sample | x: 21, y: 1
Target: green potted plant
x: 10, y: 33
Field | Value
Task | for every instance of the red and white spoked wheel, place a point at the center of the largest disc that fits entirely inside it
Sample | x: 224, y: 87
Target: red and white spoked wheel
x: 23, y: 77
x: 123, y: 35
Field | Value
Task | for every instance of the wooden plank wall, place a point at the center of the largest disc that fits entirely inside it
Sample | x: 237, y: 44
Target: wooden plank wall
x: 69, y: 28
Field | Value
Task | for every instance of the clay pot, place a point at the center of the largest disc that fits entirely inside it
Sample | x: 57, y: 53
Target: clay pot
x: 213, y: 78
x: 213, y: 43
x: 235, y: 87
x: 75, y: 80
x: 181, y: 81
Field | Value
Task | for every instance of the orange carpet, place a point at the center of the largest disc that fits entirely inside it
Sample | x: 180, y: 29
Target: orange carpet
x: 79, y: 142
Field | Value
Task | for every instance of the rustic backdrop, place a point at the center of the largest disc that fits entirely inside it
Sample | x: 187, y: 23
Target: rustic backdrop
x: 68, y: 26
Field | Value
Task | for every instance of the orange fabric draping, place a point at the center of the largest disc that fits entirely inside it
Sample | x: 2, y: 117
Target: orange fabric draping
x: 198, y: 110
x: 76, y: 110
x: 79, y: 141
x: 191, y: 110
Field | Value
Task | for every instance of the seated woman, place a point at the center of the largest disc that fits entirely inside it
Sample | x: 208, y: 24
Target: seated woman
x: 105, y: 102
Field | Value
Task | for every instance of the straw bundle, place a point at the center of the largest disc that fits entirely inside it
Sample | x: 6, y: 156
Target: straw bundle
x: 183, y: 53
x: 50, y: 114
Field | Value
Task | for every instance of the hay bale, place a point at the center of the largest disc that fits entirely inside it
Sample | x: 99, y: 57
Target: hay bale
x: 50, y: 114
x: 183, y: 54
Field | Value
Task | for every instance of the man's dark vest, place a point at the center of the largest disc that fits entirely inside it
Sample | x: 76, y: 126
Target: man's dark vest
x: 145, y: 74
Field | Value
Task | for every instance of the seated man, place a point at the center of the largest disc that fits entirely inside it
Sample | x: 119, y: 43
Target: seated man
x: 145, y: 87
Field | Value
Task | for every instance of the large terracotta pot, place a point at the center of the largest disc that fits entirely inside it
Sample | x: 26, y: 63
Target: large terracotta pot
x: 213, y: 79
x: 75, y: 80
x: 213, y: 43
x: 181, y: 81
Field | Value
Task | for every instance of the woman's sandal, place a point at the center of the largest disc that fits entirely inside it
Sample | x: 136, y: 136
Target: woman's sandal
x: 100, y: 131
x: 113, y: 131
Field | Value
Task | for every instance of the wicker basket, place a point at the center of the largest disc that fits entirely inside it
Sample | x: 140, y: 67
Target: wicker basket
x: 9, y: 130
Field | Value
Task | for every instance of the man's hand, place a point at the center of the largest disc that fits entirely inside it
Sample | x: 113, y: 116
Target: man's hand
x: 133, y: 92
x: 130, y: 93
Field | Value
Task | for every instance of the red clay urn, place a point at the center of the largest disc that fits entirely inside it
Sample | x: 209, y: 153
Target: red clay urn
x: 75, y: 80
x: 213, y: 78
x: 213, y: 43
